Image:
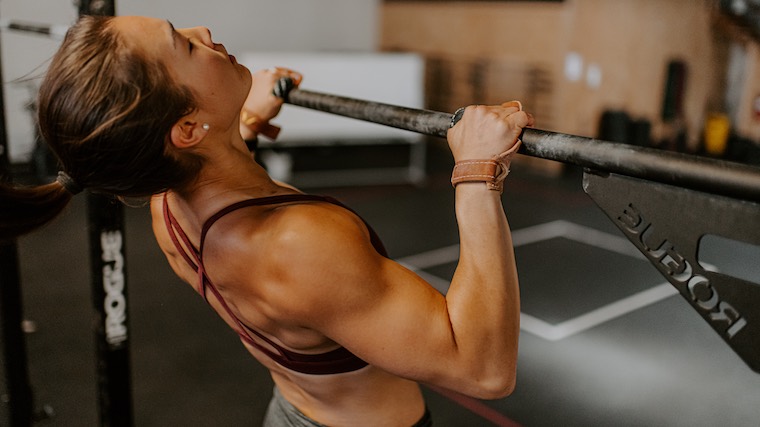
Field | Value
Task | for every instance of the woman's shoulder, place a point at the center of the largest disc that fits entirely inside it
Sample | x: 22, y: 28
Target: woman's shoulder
x: 297, y: 246
x: 305, y: 224
x: 289, y: 227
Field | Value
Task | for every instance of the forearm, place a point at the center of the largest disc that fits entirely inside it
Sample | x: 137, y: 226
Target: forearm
x: 483, y: 299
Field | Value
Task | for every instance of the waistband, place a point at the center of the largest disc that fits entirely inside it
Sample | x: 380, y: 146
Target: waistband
x: 282, y: 413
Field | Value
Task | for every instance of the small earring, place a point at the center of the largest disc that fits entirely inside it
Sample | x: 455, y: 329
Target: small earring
x: 206, y: 126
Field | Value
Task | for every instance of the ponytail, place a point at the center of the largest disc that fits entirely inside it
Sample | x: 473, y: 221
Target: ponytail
x: 23, y: 209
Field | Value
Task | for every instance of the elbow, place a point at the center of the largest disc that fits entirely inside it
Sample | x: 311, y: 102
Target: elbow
x: 498, y: 383
x: 498, y: 378
x: 482, y: 383
x: 497, y: 387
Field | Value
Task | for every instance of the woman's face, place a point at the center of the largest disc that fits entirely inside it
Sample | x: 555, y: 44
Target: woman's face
x: 194, y: 60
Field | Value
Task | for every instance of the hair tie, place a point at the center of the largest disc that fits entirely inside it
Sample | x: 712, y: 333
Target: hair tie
x: 68, y: 183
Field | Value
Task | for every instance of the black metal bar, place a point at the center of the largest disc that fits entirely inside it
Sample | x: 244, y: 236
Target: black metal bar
x: 57, y: 31
x: 30, y: 28
x: 109, y: 290
x: 109, y: 293
x: 420, y: 121
x: 18, y: 388
x: 668, y: 224
x: 19, y: 394
x: 97, y: 7
x: 704, y: 174
x: 683, y: 170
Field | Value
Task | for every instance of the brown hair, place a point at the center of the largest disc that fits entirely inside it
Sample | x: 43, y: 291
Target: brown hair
x: 106, y: 111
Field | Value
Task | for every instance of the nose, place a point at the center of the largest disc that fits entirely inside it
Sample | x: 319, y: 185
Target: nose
x: 203, y: 34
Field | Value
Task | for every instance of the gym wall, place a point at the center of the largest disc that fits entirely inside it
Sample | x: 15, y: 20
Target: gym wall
x: 598, y: 54
x: 242, y: 25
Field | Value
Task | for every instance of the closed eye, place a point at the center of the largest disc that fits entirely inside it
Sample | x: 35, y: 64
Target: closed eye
x: 176, y: 35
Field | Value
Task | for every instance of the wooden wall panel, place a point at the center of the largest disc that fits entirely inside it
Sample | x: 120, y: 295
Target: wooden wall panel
x: 629, y: 42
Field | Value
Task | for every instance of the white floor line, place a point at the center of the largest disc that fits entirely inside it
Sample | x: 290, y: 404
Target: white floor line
x: 528, y: 235
x: 598, y: 316
x: 600, y: 239
x: 539, y: 233
x: 432, y: 258
x: 537, y: 327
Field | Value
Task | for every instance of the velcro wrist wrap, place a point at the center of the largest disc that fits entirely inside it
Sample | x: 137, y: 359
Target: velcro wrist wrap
x: 255, y: 124
x: 493, y: 172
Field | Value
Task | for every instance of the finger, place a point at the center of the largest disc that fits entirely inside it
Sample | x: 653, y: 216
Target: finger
x: 521, y: 119
x: 515, y: 104
x: 461, y: 112
x: 508, y: 108
x: 531, y: 120
x: 295, y: 76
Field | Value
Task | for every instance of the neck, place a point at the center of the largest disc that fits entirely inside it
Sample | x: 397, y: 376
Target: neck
x: 229, y: 174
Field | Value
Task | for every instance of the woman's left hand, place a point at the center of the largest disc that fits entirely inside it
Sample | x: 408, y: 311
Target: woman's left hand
x: 262, y: 105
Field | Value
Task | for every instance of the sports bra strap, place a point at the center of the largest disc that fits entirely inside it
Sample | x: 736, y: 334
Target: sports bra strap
x: 287, y: 198
x: 335, y: 361
x: 173, y: 228
x: 173, y: 225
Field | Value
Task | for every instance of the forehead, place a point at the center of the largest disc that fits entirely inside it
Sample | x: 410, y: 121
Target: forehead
x: 147, y: 34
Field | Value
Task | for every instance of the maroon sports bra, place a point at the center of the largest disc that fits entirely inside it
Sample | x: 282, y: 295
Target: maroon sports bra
x: 336, y: 361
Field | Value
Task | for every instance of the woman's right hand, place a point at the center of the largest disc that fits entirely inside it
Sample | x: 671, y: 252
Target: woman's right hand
x: 487, y: 131
x: 262, y: 105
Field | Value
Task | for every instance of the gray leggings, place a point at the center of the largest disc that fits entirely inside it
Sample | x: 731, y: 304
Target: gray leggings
x: 282, y: 413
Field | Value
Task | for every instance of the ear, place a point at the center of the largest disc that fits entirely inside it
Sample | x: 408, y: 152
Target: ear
x: 187, y: 132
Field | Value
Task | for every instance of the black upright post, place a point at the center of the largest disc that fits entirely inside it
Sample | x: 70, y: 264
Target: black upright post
x: 109, y: 290
x: 97, y: 7
x: 18, y: 391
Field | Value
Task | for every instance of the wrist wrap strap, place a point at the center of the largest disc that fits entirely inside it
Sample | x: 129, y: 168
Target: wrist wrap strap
x: 259, y: 126
x: 492, y: 172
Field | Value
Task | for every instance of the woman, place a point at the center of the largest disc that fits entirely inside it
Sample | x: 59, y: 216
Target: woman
x: 135, y: 108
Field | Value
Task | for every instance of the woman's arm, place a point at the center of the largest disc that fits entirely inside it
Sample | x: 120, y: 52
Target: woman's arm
x: 262, y: 105
x: 325, y: 275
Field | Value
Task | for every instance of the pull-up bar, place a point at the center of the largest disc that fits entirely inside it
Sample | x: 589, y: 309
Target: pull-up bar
x: 663, y: 202
x: 687, y: 171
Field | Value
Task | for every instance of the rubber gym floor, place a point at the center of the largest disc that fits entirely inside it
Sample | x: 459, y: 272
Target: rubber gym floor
x: 591, y: 352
